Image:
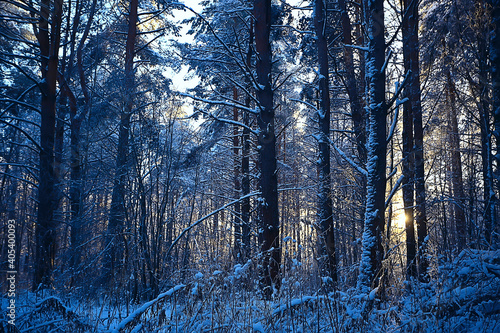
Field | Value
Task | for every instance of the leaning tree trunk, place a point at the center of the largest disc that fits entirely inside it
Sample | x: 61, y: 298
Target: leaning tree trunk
x: 45, y: 232
x: 269, y: 234
x: 116, y: 226
x: 373, y: 251
x: 328, y: 264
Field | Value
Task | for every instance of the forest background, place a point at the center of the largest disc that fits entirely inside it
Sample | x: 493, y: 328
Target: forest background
x: 236, y: 165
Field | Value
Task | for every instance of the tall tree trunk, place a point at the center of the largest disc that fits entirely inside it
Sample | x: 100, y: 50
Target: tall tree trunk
x: 355, y: 92
x: 143, y: 236
x: 373, y: 251
x: 357, y: 111
x: 413, y: 165
x: 75, y: 173
x: 328, y: 264
x: 238, y: 246
x: 495, y: 82
x: 45, y: 234
x: 488, y: 193
x: 408, y: 191
x: 116, y: 226
x: 456, y: 166
x: 269, y: 234
x: 486, y: 150
x: 76, y: 184
x: 245, y: 161
x: 411, y: 62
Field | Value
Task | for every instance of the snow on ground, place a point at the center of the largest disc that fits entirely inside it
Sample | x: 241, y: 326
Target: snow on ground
x: 463, y: 296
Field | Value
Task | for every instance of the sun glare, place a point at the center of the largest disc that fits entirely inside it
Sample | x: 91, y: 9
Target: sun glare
x: 401, y: 221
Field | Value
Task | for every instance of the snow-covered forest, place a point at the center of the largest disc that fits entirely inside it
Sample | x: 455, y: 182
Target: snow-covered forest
x: 250, y: 165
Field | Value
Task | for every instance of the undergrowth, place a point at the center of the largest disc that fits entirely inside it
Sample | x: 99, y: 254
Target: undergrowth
x: 463, y: 296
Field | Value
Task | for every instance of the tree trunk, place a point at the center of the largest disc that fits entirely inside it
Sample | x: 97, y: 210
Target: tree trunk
x: 373, y: 251
x: 495, y: 75
x: 76, y: 184
x: 75, y: 176
x: 413, y: 143
x: 357, y: 111
x: 116, y: 226
x: 269, y: 234
x: 245, y: 160
x: 45, y: 234
x: 328, y: 264
x: 238, y: 246
x: 456, y: 167
x: 411, y: 60
x: 488, y: 194
x: 486, y: 150
x: 408, y: 191
x: 494, y: 53
x: 495, y: 82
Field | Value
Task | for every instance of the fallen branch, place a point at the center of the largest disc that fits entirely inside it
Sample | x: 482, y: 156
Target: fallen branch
x: 133, y: 319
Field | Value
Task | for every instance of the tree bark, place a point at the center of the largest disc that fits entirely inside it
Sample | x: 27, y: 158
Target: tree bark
x: 373, y: 251
x: 328, y: 264
x: 269, y: 231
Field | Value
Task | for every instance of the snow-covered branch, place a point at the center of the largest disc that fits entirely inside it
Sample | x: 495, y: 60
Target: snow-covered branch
x: 394, y: 190
x: 386, y: 62
x: 399, y: 89
x: 361, y: 48
x: 14, y: 101
x: 304, y: 32
x: 186, y: 230
x: 245, y: 90
x: 242, y: 66
x: 229, y: 121
x: 306, y: 103
x: 224, y: 103
x: 394, y: 122
x: 18, y: 178
x: 24, y: 132
x: 135, y: 316
x: 347, y: 159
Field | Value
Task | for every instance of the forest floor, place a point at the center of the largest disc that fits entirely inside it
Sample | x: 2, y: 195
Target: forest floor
x: 463, y: 296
